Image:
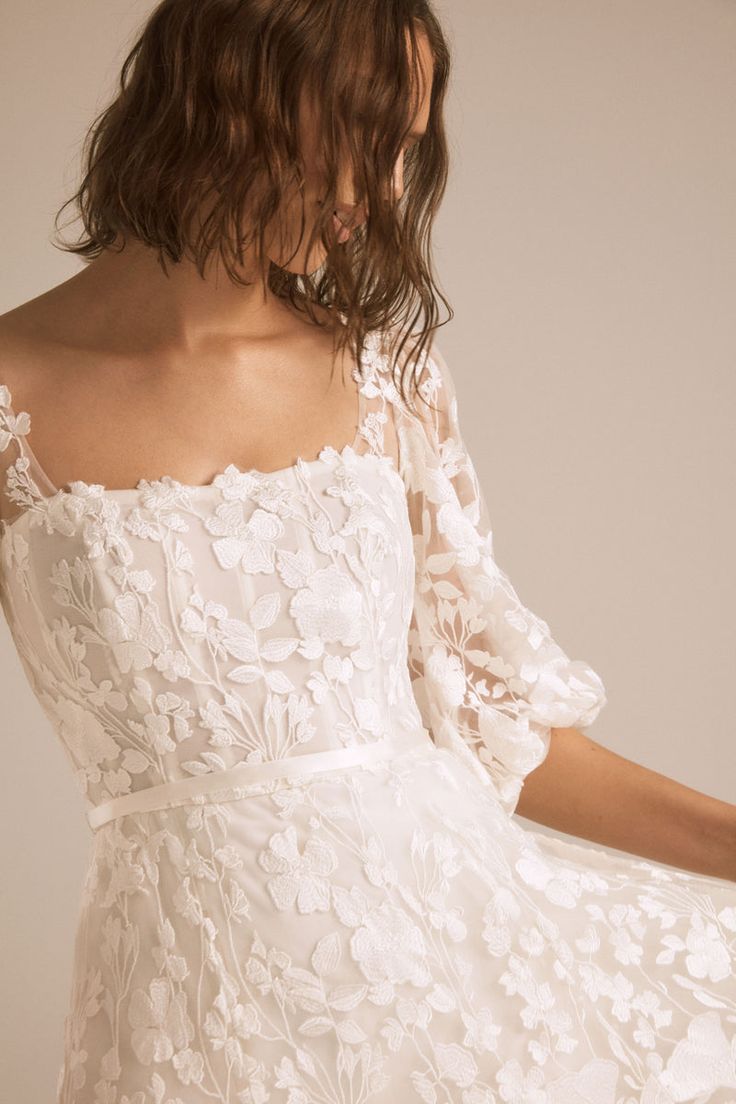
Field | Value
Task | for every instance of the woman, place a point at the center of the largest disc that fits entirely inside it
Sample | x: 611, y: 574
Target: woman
x: 264, y: 617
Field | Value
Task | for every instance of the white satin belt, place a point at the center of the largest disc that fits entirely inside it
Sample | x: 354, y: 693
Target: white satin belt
x: 240, y: 780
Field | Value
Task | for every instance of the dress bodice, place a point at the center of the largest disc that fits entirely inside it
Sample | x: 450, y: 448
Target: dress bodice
x: 171, y: 630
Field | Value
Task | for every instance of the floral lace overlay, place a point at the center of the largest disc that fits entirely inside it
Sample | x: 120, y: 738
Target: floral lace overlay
x: 382, y: 933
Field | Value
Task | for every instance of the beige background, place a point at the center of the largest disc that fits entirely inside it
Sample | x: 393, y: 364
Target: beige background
x: 588, y: 244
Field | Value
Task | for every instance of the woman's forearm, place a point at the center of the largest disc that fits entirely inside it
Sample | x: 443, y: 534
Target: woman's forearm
x: 586, y: 790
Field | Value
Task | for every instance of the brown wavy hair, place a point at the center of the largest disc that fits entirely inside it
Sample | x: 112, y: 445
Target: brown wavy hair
x: 207, y: 118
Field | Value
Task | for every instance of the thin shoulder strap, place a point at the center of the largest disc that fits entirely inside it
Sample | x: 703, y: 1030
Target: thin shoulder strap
x: 384, y: 373
x: 22, y: 479
x: 377, y: 431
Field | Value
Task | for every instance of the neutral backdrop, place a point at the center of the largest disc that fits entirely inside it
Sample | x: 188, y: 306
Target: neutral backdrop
x: 588, y: 245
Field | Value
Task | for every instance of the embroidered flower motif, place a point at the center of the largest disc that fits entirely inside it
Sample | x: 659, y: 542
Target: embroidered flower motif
x: 482, y: 1031
x: 702, y: 1062
x: 328, y: 608
x: 389, y: 946
x: 251, y: 543
x: 189, y: 1064
x: 160, y: 1022
x: 300, y: 876
x: 449, y: 676
x: 709, y: 956
x: 240, y: 486
x: 86, y: 739
x: 12, y: 425
x: 135, y: 635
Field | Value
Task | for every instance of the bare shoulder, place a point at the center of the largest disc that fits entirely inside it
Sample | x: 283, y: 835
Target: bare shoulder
x: 31, y: 339
x: 17, y: 359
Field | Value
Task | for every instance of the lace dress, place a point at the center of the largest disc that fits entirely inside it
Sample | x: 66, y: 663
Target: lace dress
x: 300, y: 706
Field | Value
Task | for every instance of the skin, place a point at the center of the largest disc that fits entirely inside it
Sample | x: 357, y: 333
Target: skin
x: 119, y: 347
x: 585, y: 789
x: 239, y: 378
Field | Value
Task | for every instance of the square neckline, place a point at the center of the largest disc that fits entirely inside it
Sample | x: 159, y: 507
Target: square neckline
x: 75, y: 486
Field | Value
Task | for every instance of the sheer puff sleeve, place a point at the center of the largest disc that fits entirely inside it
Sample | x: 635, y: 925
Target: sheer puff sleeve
x: 489, y: 680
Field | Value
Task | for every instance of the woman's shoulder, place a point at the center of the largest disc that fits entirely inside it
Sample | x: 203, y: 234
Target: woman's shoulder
x: 26, y: 357
x: 34, y: 336
x: 33, y: 348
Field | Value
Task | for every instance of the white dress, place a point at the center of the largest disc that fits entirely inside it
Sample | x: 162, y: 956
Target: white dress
x: 300, y: 706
